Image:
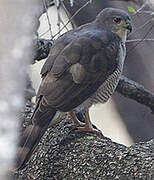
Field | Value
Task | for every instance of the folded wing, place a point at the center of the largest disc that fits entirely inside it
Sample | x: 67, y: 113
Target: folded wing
x: 77, y: 70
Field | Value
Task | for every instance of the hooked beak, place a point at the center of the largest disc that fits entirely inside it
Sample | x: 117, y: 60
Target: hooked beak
x: 128, y: 27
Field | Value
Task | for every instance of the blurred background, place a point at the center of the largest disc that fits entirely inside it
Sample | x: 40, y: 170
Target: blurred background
x: 121, y: 119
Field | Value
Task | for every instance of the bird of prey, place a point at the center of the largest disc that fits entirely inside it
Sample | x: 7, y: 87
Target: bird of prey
x: 83, y: 68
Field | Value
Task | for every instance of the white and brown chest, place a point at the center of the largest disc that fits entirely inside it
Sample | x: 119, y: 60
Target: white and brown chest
x: 105, y: 91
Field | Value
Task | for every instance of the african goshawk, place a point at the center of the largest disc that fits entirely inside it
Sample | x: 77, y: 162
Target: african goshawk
x: 83, y: 68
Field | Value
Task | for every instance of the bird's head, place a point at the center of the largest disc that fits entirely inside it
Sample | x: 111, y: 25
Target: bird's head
x: 115, y: 20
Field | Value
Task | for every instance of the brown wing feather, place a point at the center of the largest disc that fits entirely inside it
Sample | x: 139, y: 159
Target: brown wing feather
x: 59, y: 88
x: 57, y: 47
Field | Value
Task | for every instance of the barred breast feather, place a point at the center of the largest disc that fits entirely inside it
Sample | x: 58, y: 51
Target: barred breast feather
x: 108, y: 87
x: 106, y: 90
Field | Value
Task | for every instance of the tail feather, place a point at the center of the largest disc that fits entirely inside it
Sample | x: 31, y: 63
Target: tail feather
x: 32, y: 134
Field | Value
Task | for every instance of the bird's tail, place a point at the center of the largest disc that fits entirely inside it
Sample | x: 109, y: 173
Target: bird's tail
x: 33, y: 133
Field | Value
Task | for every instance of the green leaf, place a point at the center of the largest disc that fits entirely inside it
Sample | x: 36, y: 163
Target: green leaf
x: 90, y: 137
x: 130, y: 9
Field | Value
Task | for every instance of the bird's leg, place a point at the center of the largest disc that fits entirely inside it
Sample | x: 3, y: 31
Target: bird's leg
x: 75, y: 121
x: 88, y: 125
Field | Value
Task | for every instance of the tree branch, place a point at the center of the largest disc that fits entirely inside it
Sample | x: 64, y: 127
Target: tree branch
x: 60, y: 155
x: 138, y: 2
x: 135, y: 91
x: 41, y: 49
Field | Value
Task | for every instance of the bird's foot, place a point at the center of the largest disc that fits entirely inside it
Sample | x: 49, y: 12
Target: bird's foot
x: 72, y: 126
x: 88, y: 129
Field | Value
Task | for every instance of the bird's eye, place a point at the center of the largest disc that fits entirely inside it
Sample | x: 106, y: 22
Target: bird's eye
x: 117, y: 20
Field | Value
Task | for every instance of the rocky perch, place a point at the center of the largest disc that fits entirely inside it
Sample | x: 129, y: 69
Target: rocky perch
x: 79, y: 156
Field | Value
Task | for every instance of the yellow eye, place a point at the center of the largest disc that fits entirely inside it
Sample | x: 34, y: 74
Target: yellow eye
x: 117, y: 20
